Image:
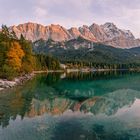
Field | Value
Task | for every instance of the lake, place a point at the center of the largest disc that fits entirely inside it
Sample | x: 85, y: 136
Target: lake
x: 74, y: 106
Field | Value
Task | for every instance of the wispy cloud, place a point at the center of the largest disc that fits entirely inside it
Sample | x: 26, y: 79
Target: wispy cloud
x: 124, y: 13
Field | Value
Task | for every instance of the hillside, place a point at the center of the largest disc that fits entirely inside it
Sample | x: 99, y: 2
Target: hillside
x: 84, y: 50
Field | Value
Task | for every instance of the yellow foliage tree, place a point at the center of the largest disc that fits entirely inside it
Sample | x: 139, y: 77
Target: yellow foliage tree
x: 15, y: 55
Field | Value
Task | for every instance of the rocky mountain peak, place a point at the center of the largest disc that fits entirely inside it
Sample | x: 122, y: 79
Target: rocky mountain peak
x: 111, y: 30
x: 75, y: 33
x: 98, y: 32
x: 109, y: 25
x: 58, y: 33
x: 107, y: 33
x: 87, y: 34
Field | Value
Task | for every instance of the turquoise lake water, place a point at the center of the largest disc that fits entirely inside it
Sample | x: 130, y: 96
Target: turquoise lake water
x: 75, y: 106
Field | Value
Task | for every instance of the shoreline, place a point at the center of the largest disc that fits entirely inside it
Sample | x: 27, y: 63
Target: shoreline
x: 80, y: 70
x: 48, y: 71
x: 7, y: 84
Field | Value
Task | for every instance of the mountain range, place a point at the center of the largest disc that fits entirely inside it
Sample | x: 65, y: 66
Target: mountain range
x: 107, y: 34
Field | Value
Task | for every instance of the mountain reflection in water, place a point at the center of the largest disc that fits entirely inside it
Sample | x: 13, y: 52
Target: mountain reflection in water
x: 77, y: 102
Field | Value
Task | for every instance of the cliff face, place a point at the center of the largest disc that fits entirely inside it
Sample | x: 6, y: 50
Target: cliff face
x: 58, y: 33
x: 117, y: 37
x: 107, y: 34
x: 31, y: 31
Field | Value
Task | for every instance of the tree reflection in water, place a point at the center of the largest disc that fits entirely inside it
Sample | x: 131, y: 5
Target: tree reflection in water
x: 97, y: 93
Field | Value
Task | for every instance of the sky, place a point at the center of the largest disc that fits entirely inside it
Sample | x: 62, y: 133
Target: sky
x: 68, y: 13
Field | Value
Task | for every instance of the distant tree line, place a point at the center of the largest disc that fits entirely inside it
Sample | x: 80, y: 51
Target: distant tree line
x: 98, y: 65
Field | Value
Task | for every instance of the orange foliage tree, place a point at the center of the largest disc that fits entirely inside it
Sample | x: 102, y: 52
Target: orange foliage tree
x: 14, y: 56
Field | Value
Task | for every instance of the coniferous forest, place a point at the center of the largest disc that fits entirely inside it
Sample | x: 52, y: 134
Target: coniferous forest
x: 17, y: 58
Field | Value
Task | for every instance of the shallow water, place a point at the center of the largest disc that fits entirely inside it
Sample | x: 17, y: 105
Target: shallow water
x: 76, y: 106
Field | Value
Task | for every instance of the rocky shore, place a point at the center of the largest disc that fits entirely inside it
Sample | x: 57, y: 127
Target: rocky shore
x: 5, y: 84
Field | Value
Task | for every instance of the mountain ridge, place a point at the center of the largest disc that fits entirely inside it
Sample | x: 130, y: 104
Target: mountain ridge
x: 108, y: 34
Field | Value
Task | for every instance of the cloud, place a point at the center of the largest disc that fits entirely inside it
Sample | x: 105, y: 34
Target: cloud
x: 124, y: 13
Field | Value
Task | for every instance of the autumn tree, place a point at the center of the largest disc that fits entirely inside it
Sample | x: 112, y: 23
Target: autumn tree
x: 14, y: 56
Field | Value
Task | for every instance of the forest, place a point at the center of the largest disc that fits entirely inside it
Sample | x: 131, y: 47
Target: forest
x: 17, y: 57
x: 97, y: 56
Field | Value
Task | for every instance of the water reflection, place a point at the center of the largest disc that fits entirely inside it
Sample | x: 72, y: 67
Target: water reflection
x: 78, y: 105
x: 95, y: 93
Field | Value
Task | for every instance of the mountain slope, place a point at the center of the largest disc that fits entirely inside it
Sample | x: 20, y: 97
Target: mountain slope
x: 83, y: 50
